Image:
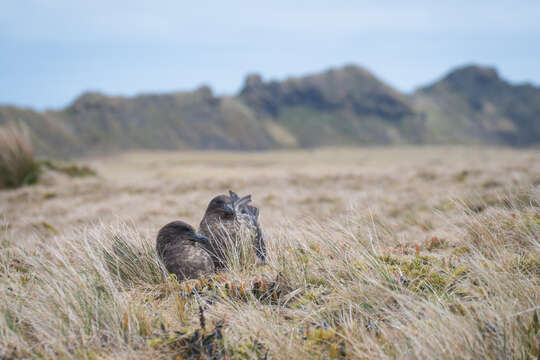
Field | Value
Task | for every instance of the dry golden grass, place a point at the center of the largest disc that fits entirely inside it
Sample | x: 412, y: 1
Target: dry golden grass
x: 373, y: 253
x: 17, y: 165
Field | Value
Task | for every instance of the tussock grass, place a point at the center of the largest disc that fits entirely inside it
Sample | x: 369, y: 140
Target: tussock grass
x: 237, y: 250
x: 18, y: 167
x: 74, y: 294
x: 360, y: 277
x: 335, y: 291
x: 17, y: 164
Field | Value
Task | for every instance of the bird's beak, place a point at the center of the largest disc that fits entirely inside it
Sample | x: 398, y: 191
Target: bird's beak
x: 200, y: 238
x: 229, y: 209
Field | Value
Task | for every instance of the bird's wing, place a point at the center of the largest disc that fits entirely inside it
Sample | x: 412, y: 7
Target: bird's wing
x: 242, y: 207
x: 241, y: 204
x: 260, y: 245
x: 253, y: 212
x: 234, y: 196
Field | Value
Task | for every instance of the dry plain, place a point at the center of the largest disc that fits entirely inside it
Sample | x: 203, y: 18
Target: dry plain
x: 409, y: 252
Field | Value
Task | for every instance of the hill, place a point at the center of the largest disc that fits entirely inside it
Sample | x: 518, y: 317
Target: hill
x: 185, y: 120
x: 51, y: 136
x: 473, y: 104
x: 342, y: 106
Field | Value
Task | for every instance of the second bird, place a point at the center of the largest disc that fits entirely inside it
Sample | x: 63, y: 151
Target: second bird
x: 226, y: 220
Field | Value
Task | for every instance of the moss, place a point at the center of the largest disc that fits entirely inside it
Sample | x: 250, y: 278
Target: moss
x: 321, y: 335
x: 49, y: 227
x: 457, y: 308
x: 247, y: 349
x: 424, y: 281
x: 462, y: 293
x: 460, y: 251
x: 88, y: 354
x: 435, y: 243
x: 212, y: 287
x: 367, y: 307
x: 427, y: 175
x: 155, y: 342
x: 316, y: 281
x: 488, y: 184
x: 207, y: 343
x: 49, y: 195
x: 460, y: 271
x: 312, y: 295
x: 461, y: 176
x: 389, y: 260
x: 532, y: 223
x: 530, y: 330
x: 419, y: 275
x: 437, y: 282
x: 324, y: 342
x: 319, y: 200
x: 71, y: 170
x: 423, y: 260
x: 528, y: 265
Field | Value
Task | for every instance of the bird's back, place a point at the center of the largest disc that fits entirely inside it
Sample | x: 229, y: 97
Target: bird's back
x: 187, y: 261
x: 182, y: 257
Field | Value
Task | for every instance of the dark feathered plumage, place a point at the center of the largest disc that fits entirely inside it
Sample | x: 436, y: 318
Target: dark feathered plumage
x: 183, y: 251
x: 222, y: 222
x: 251, y: 213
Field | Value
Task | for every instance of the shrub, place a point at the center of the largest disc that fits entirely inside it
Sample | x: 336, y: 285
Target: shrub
x: 17, y: 164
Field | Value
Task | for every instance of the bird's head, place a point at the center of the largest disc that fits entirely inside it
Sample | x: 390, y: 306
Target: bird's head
x: 184, y: 231
x: 222, y: 206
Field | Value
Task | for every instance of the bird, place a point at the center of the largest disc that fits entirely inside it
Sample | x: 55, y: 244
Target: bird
x: 225, y: 219
x: 183, y: 251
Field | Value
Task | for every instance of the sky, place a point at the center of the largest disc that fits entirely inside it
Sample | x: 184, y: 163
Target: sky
x: 53, y: 51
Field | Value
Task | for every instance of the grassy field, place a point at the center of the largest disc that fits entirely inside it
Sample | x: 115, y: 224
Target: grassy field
x: 373, y: 253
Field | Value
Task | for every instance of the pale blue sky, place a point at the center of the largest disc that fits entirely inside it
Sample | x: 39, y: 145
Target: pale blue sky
x: 52, y: 51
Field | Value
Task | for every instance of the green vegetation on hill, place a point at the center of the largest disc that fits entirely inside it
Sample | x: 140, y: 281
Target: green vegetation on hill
x: 182, y: 120
x: 343, y: 106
